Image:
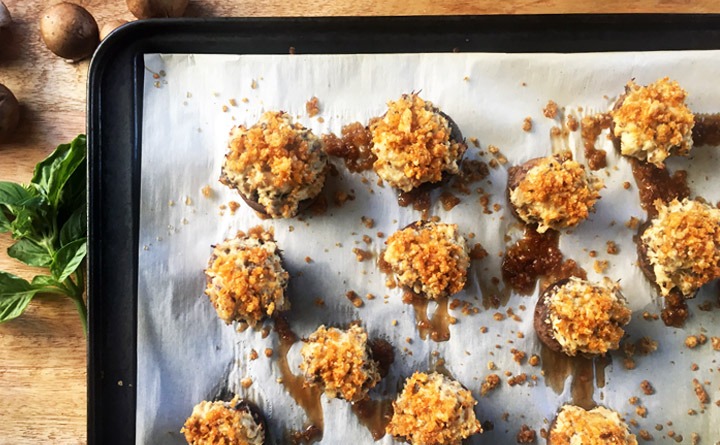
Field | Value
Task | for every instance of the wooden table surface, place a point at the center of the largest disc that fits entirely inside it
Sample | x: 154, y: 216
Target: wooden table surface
x: 43, y: 353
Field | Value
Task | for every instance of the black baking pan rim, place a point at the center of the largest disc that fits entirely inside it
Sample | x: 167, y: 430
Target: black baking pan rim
x: 115, y: 82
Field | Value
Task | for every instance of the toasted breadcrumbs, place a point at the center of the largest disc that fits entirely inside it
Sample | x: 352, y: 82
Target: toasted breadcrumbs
x: 245, y: 278
x: 340, y: 362
x: 219, y: 423
x: 412, y: 144
x: 431, y: 259
x: 275, y: 163
x: 555, y: 194
x: 586, y: 317
x: 599, y: 426
x: 683, y: 245
x: 433, y: 410
x: 653, y: 122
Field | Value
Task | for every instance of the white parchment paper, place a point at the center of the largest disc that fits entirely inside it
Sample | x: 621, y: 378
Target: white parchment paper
x: 186, y: 354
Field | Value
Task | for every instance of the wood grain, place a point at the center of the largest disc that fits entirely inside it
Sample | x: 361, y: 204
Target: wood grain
x: 42, y: 358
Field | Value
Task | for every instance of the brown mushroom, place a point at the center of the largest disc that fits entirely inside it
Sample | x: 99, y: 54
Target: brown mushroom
x: 9, y: 113
x: 146, y: 9
x: 110, y: 26
x: 69, y: 31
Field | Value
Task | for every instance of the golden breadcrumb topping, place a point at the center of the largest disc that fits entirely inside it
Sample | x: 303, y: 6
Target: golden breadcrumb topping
x: 599, y: 426
x: 433, y: 410
x: 653, y: 122
x: 587, y: 317
x: 218, y: 423
x: 276, y: 163
x: 412, y: 144
x: 555, y: 194
x: 431, y: 259
x: 683, y: 245
x: 245, y: 277
x: 341, y: 362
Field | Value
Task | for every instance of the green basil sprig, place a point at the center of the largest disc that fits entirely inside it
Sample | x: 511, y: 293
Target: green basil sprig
x: 48, y: 220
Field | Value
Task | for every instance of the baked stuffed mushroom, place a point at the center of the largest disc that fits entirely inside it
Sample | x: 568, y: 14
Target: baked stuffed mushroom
x: 598, y: 426
x: 415, y: 144
x: 552, y: 192
x: 679, y: 249
x: 340, y: 362
x: 237, y: 422
x: 277, y: 166
x: 430, y: 259
x: 575, y: 316
x: 245, y: 277
x: 653, y: 122
x: 433, y: 409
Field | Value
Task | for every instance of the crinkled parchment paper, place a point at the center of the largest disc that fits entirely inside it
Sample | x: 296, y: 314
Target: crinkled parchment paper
x: 186, y: 354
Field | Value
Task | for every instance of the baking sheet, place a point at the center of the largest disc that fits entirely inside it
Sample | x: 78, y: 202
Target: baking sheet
x: 186, y: 354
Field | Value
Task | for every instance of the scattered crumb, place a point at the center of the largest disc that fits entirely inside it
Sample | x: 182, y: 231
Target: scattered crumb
x: 268, y: 352
x: 691, y: 341
x: 308, y: 260
x: 206, y: 191
x: 600, y: 266
x: 362, y: 255
x: 715, y: 343
x: 641, y: 411
x: 534, y: 360
x: 633, y: 223
x: 518, y: 356
x: 319, y: 302
x: 312, y: 107
x: 246, y: 382
x: 526, y: 435
x: 518, y: 379
x: 253, y: 354
x: 645, y: 435
x: 572, y: 123
x: 367, y: 222
x: 647, y: 388
x: 254, y: 84
x: 612, y: 248
x: 233, y: 206
x: 550, y: 110
x: 629, y: 363
x: 225, y: 108
x: 491, y: 382
x: 700, y: 392
x: 354, y: 298
x: 342, y: 197
x: 527, y: 124
x: 626, y: 185
x: 475, y: 142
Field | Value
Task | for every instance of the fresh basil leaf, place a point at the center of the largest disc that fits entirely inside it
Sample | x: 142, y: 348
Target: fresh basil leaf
x: 73, y: 193
x: 12, y: 306
x: 68, y: 258
x: 15, y: 295
x: 44, y: 281
x: 4, y: 221
x: 11, y: 193
x: 30, y: 252
x: 52, y: 173
x: 75, y: 227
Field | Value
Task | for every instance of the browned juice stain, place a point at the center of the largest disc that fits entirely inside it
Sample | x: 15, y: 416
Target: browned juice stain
x: 556, y: 368
x: 534, y: 256
x: 656, y: 183
x: 383, y: 353
x: 493, y: 296
x: 586, y: 375
x: 591, y: 128
x: 354, y: 147
x: 601, y: 363
x: 437, y: 327
x: 675, y: 310
x: 706, y: 130
x: 418, y: 198
x: 374, y: 415
x: 306, y: 396
x: 583, y: 383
